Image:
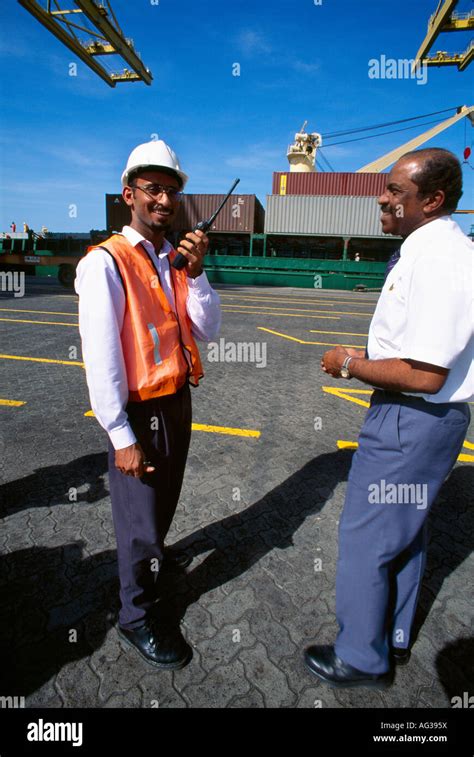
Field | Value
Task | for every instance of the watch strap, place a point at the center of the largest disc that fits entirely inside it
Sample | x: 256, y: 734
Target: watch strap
x: 345, y: 365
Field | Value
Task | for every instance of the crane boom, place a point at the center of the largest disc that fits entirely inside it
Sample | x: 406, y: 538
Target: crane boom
x: 108, y: 38
x: 391, y: 157
x: 436, y: 23
x: 445, y: 19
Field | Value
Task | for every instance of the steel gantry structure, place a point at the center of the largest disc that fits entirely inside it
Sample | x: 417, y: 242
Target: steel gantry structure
x: 387, y: 160
x: 104, y: 38
x: 445, y: 19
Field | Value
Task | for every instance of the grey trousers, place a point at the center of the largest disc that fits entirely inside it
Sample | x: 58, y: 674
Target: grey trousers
x: 407, y: 448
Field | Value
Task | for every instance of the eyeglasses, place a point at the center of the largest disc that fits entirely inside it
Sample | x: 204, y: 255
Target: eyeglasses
x: 158, y: 190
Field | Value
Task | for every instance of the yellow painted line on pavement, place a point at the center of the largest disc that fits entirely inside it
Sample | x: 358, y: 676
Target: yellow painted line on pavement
x: 41, y: 360
x: 285, y: 315
x: 211, y: 429
x: 342, y: 333
x: 226, y: 430
x: 302, y: 301
x: 235, y: 309
x: 345, y: 394
x: 299, y: 310
x: 41, y: 312
x: 302, y: 341
x: 343, y: 444
x: 42, y: 323
x: 469, y: 445
x: 12, y: 403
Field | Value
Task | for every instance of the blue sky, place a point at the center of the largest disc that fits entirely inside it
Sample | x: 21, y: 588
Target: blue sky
x: 66, y: 139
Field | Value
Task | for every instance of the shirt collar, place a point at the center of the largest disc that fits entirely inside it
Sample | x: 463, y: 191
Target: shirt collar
x: 426, y: 231
x: 135, y: 238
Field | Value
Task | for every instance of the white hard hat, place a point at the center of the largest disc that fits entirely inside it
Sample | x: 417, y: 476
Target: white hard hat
x: 155, y: 154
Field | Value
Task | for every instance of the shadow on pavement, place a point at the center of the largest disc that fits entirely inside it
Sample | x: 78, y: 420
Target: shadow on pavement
x: 455, y: 667
x: 40, y: 489
x: 451, y: 538
x: 44, y: 595
x: 240, y: 540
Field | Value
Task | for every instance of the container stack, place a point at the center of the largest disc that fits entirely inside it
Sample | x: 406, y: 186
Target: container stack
x: 241, y: 218
x: 326, y: 204
x: 327, y: 215
x: 332, y: 184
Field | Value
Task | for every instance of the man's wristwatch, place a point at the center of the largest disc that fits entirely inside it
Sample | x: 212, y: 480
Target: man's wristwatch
x: 344, y: 372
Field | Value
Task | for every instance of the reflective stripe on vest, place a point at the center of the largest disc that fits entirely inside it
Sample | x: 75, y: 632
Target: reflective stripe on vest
x: 158, y: 347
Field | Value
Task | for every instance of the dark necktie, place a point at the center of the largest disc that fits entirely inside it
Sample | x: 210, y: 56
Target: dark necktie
x: 392, y: 262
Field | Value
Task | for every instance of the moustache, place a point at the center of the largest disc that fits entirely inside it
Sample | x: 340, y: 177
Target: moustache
x: 161, y: 209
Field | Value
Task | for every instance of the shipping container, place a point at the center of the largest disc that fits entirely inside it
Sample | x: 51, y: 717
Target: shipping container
x: 242, y: 213
x: 327, y: 216
x: 117, y: 213
x: 352, y: 184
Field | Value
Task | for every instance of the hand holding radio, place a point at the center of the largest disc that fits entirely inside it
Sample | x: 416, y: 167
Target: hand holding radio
x: 193, y: 248
x: 181, y: 260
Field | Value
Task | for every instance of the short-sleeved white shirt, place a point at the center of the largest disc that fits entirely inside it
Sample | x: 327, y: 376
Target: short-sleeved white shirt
x: 426, y: 308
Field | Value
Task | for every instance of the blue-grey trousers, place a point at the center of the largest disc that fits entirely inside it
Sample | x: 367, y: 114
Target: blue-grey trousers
x: 143, y: 508
x: 407, y: 448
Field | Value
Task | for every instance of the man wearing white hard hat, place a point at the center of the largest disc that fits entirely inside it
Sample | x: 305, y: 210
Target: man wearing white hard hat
x: 139, y: 318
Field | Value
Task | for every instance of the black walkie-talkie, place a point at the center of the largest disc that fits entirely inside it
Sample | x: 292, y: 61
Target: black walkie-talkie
x: 180, y: 260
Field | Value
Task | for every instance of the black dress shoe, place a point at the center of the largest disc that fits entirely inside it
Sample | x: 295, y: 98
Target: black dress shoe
x: 400, y: 656
x: 176, y: 558
x: 163, y: 647
x: 323, y: 662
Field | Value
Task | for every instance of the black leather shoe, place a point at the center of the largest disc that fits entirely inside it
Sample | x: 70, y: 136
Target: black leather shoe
x: 163, y: 647
x: 323, y: 662
x: 400, y: 656
x: 176, y: 558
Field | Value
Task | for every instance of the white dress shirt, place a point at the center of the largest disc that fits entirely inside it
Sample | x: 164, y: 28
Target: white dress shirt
x: 101, y: 315
x: 426, y: 309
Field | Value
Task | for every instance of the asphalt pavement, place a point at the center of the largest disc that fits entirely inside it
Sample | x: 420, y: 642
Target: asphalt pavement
x: 261, y: 501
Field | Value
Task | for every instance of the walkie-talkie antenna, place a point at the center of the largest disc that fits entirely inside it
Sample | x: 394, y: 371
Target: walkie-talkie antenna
x: 180, y: 260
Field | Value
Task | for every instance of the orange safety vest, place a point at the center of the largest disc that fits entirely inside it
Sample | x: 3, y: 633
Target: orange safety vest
x: 158, y: 348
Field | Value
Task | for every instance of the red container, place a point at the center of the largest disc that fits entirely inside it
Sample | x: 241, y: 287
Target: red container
x: 241, y: 214
x: 340, y: 184
x: 117, y: 213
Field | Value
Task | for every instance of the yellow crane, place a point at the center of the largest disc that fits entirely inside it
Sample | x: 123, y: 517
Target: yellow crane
x: 391, y: 157
x: 107, y: 36
x: 445, y: 19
